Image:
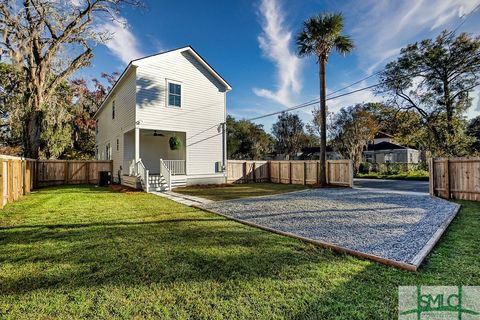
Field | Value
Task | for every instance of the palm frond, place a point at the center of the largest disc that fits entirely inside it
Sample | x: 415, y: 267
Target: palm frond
x: 343, y: 45
x: 322, y: 33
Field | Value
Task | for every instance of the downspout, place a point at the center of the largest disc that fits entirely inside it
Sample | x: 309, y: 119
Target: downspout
x: 224, y: 134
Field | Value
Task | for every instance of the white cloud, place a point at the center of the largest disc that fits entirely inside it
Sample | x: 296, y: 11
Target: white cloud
x: 275, y: 44
x: 76, y: 3
x: 122, y: 44
x: 382, y: 28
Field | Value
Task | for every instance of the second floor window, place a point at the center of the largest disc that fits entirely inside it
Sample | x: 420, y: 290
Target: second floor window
x: 174, y: 94
x: 113, y: 109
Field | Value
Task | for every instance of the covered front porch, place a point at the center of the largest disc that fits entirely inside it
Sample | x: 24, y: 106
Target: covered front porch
x: 149, y: 146
x: 150, y: 162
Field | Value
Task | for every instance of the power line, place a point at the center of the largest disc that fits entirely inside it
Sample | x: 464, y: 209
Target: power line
x: 328, y: 96
x: 308, y: 104
x: 356, y: 82
x: 466, y: 16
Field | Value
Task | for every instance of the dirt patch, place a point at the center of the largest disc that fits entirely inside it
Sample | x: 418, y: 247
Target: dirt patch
x: 123, y: 189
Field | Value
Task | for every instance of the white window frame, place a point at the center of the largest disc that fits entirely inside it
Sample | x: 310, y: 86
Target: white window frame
x: 168, y: 93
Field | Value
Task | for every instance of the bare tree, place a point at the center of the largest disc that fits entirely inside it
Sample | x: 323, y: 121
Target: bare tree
x: 48, y: 40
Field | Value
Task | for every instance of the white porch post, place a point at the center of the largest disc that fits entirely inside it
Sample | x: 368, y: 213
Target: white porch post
x: 137, y: 144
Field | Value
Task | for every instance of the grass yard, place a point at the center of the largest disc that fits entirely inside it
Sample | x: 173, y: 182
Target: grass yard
x: 234, y: 191
x: 90, y: 252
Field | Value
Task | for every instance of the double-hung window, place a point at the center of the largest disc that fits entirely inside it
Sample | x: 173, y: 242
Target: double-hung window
x: 174, y: 94
x: 108, y: 152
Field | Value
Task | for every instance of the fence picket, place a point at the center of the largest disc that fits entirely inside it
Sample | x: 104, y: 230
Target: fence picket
x: 455, y: 178
x: 18, y: 176
x: 340, y: 172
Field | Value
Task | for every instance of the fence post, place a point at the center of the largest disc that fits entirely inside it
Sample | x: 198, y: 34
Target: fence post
x: 65, y: 172
x: 304, y: 172
x: 447, y: 177
x: 351, y: 173
x: 35, y: 174
x: 254, y: 175
x: 88, y: 172
x: 1, y: 185
x: 327, y: 173
x: 279, y: 172
x: 244, y: 172
x: 24, y: 176
x: 290, y: 171
x: 269, y: 171
x: 10, y: 181
x: 431, y: 180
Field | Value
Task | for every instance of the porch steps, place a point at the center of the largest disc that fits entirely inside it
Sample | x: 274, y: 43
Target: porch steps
x: 158, y: 183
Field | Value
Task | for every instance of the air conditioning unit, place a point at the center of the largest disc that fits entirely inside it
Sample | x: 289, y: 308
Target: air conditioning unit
x: 219, y: 166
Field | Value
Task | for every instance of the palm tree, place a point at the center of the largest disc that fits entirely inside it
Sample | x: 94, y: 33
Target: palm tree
x: 321, y: 34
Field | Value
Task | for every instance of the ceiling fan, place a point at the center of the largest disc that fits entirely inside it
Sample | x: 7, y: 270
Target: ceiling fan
x: 156, y: 134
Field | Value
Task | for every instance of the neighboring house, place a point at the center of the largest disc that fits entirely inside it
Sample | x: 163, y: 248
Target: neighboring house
x: 313, y: 153
x: 383, y: 150
x: 170, y: 94
x: 307, y: 153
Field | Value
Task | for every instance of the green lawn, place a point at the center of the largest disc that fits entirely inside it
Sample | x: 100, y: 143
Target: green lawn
x: 89, y: 252
x: 234, y: 191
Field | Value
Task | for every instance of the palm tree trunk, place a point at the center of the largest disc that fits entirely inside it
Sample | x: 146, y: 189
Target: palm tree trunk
x: 323, y: 124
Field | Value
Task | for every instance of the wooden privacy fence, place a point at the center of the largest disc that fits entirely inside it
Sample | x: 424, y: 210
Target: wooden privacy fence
x: 18, y: 176
x: 56, y: 172
x: 339, y: 172
x: 455, y: 178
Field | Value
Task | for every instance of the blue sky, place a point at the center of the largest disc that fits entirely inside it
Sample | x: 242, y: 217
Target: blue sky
x: 251, y: 44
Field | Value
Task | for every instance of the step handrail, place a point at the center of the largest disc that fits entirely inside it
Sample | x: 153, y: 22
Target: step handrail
x: 165, y: 172
x: 143, y: 173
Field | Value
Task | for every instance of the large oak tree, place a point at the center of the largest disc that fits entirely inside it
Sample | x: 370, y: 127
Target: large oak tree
x: 435, y: 78
x: 46, y: 42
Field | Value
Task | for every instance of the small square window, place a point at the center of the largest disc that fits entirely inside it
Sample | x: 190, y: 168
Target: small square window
x: 174, y: 94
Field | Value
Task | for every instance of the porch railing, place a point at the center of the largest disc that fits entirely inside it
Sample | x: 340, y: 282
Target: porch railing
x: 128, y: 167
x: 166, y: 173
x: 176, y: 167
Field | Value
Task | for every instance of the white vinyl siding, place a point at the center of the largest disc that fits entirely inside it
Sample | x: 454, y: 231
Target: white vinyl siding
x: 110, y: 130
x: 202, y: 108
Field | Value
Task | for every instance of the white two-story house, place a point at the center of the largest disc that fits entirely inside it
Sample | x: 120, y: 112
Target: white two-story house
x: 163, y: 122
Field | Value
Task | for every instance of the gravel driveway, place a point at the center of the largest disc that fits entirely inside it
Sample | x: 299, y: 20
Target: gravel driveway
x: 393, y: 185
x: 394, y: 226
